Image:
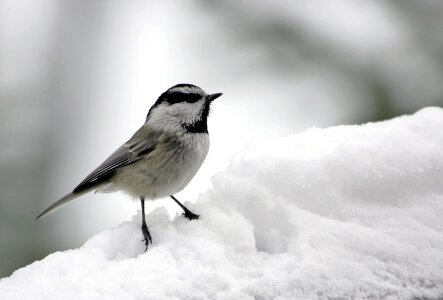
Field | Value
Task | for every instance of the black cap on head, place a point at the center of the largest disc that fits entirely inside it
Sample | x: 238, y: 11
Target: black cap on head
x: 182, y: 92
x: 185, y: 93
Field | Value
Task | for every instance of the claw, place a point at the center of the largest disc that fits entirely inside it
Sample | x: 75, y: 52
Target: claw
x: 147, y: 236
x: 191, y: 216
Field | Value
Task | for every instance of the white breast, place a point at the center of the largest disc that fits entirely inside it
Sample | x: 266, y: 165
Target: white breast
x: 199, y: 146
x: 167, y: 170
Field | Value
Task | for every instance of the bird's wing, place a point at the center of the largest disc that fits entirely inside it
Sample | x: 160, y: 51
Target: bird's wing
x: 140, y: 145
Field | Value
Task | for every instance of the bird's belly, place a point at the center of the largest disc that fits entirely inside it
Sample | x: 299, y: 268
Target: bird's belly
x: 164, y: 172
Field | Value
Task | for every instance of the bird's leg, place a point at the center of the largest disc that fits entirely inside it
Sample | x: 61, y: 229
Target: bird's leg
x: 147, y: 236
x: 188, y: 214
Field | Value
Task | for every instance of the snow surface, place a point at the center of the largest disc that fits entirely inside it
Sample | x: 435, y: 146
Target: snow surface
x: 350, y: 212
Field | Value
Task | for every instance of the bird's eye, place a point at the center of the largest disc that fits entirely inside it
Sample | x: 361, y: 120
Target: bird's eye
x: 193, y: 98
x: 182, y: 97
x: 175, y: 98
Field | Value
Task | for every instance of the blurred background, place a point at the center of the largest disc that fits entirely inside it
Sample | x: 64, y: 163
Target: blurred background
x: 78, y: 77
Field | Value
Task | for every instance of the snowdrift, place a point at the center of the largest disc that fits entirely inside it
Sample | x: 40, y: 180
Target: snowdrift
x: 350, y: 212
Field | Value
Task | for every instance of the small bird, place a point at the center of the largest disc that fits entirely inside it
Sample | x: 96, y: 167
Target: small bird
x: 161, y: 158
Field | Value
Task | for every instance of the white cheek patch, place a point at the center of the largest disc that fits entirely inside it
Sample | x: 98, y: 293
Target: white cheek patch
x: 187, y: 112
x: 172, y: 117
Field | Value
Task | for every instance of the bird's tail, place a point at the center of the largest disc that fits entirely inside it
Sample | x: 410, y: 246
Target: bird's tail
x: 56, y: 205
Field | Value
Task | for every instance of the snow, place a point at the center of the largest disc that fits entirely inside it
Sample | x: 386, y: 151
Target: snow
x: 349, y: 212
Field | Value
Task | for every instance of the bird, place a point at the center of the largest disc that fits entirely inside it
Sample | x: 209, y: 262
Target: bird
x: 160, y: 159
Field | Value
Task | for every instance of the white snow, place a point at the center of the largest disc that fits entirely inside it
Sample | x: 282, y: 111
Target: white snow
x: 350, y: 212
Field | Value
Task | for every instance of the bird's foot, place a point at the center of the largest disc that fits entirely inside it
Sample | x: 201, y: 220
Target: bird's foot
x: 190, y: 215
x: 147, y: 236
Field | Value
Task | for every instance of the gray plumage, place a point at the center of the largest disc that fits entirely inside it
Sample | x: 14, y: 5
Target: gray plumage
x: 162, y: 157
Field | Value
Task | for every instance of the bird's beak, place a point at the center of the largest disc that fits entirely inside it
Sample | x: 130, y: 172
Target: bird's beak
x: 212, y: 97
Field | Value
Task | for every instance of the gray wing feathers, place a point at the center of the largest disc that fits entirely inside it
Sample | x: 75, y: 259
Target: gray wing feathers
x: 140, y: 145
x: 118, y: 159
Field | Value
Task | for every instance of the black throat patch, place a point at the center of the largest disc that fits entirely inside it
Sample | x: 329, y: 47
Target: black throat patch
x: 200, y: 125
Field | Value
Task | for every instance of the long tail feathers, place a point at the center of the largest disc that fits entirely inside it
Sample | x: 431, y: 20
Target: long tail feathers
x: 56, y: 205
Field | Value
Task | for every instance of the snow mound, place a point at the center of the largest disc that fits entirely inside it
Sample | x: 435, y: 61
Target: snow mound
x: 350, y: 212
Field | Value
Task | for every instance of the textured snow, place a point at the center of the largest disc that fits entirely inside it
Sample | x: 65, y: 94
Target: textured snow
x: 349, y: 212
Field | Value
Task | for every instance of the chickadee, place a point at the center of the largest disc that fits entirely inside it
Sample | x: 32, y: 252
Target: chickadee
x: 161, y: 158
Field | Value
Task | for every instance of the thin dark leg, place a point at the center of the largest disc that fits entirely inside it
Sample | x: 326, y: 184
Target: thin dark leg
x: 188, y: 214
x: 147, y: 236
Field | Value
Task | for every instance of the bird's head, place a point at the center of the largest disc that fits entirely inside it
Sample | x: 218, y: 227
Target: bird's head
x: 182, y: 107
